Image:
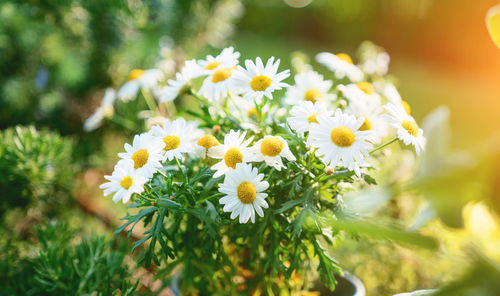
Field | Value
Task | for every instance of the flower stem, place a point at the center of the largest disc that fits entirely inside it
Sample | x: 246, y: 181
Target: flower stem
x: 259, y: 108
x: 150, y: 101
x: 170, y: 109
x: 193, y: 94
x: 124, y: 122
x: 383, y: 145
x: 209, y: 197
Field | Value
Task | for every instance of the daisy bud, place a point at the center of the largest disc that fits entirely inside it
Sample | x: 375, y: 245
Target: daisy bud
x: 216, y: 129
x: 329, y: 170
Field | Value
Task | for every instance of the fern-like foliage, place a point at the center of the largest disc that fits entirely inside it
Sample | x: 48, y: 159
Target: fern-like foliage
x: 36, y: 167
x: 58, y: 265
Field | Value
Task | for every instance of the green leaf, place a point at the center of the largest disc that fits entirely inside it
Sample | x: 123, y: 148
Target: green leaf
x: 289, y: 204
x: 381, y: 232
x: 167, y: 203
x: 369, y: 179
x: 328, y: 267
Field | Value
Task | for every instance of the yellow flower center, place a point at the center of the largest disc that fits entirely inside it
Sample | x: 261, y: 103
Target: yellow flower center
x: 126, y: 182
x: 312, y: 118
x: 271, y: 146
x: 246, y: 192
x: 208, y: 141
x: 222, y: 74
x: 366, y: 87
x: 140, y: 158
x: 345, y: 57
x: 135, y: 74
x: 260, y: 83
x: 342, y: 136
x: 313, y: 95
x: 232, y: 157
x: 411, y: 127
x: 171, y: 142
x: 406, y: 106
x: 366, y: 126
x: 212, y: 65
x: 252, y: 113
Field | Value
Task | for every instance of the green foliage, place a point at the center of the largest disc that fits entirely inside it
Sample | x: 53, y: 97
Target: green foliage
x: 36, y: 166
x: 57, y: 265
x: 56, y: 54
x: 482, y: 278
x: 50, y: 50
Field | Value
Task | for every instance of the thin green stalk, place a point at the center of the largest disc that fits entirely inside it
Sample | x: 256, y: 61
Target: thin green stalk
x: 318, y: 177
x: 193, y: 94
x: 180, y: 169
x: 150, y: 101
x: 170, y: 108
x: 122, y: 121
x: 259, y: 108
x: 162, y: 173
x: 383, y: 145
x: 209, y: 197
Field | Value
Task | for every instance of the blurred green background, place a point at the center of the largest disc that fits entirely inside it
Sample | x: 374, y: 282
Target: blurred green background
x: 58, y: 56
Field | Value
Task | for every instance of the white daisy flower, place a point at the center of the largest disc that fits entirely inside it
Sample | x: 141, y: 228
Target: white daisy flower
x: 360, y: 93
x: 374, y: 120
x: 124, y: 181
x: 270, y: 150
x: 393, y: 96
x: 339, y: 139
x: 341, y: 64
x: 309, y: 86
x: 228, y: 58
x: 195, y: 133
x: 234, y: 150
x: 179, y: 85
x: 257, y: 81
x: 373, y: 59
x: 216, y: 86
x: 138, y: 79
x: 178, y: 137
x: 244, y: 188
x: 406, y: 128
x: 105, y: 110
x: 145, y: 151
x: 204, y: 143
x: 377, y: 64
x: 303, y: 115
x: 389, y: 91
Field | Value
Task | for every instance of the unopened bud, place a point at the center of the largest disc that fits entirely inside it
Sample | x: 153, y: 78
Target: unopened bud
x: 329, y: 170
x: 171, y: 197
x: 216, y: 129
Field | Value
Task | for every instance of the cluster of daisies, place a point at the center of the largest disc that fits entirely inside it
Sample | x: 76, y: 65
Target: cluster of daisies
x: 178, y: 139
x: 341, y: 125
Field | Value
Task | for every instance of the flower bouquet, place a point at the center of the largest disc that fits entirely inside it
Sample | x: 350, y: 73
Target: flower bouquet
x: 242, y: 191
